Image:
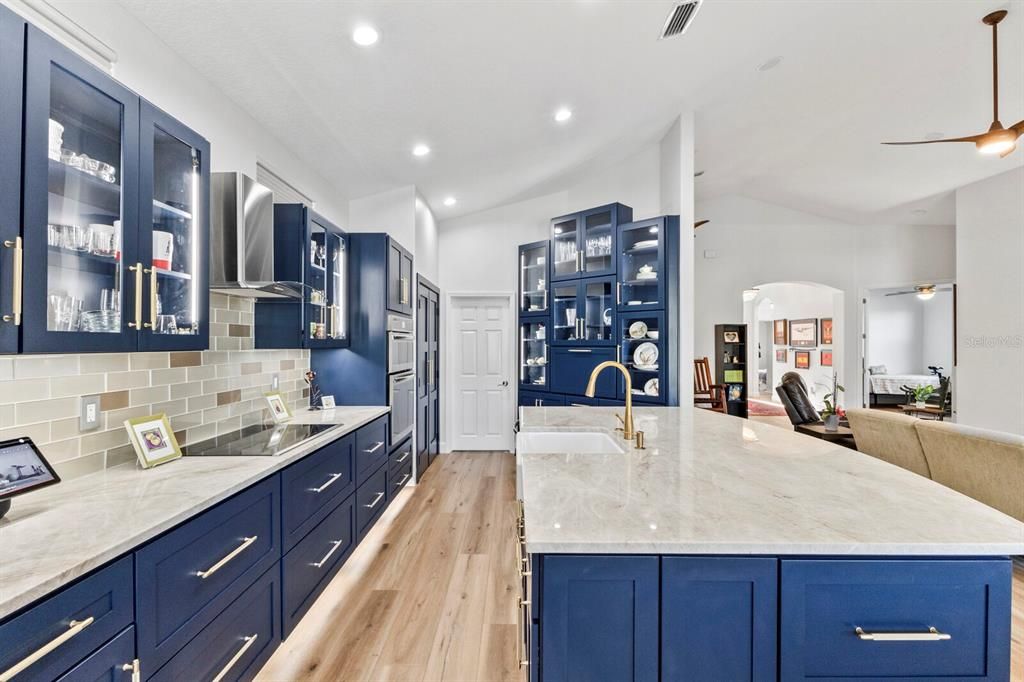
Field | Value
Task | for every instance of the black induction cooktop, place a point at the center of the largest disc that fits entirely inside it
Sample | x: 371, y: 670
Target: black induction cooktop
x: 260, y: 440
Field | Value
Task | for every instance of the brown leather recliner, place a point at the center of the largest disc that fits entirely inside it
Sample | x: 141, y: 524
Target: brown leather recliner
x: 793, y: 392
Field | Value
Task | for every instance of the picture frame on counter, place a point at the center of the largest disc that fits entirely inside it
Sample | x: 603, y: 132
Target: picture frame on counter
x: 279, y: 411
x: 803, y: 333
x: 153, y: 440
x: 327, y: 402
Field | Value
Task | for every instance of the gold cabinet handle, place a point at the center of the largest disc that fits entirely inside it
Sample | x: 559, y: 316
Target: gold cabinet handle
x: 327, y: 557
x: 249, y: 641
x: 16, y: 290
x: 152, y: 298
x: 375, y: 448
x: 246, y: 542
x: 135, y: 669
x: 375, y: 501
x: 932, y: 635
x: 330, y: 321
x: 75, y: 628
x: 137, y: 269
x: 618, y: 293
x: 330, y: 481
x: 403, y: 291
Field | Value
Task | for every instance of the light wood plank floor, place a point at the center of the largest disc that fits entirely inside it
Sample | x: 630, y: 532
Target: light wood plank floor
x: 430, y: 593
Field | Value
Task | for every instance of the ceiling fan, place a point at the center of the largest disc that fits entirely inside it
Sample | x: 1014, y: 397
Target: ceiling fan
x: 699, y: 223
x: 998, y: 140
x: 924, y: 291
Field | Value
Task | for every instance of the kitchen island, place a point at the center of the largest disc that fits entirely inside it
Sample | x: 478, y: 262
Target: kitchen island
x: 732, y: 550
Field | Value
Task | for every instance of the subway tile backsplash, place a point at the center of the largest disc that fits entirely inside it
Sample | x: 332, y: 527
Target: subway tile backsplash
x: 203, y: 393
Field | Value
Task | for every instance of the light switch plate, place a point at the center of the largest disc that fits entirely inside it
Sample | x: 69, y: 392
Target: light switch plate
x: 90, y: 417
x: 710, y: 253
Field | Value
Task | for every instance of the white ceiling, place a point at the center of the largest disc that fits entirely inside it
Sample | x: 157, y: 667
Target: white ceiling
x: 479, y: 82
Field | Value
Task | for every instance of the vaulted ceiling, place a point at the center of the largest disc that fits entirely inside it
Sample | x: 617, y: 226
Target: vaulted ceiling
x: 479, y: 82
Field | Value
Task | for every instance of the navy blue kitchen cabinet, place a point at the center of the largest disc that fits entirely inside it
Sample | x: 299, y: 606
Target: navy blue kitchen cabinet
x: 536, y: 399
x: 895, y: 620
x: 12, y: 71
x: 643, y: 339
x: 599, y: 619
x: 400, y: 272
x: 571, y: 368
x: 115, y: 205
x: 583, y: 243
x: 534, y: 355
x: 718, y: 618
x: 311, y: 487
x: 309, y: 249
x: 647, y: 258
x: 114, y: 662
x: 534, y: 264
x: 583, y: 312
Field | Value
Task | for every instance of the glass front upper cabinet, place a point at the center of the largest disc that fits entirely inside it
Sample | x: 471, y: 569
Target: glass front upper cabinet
x: 533, y: 370
x: 565, y: 248
x: 642, y: 351
x: 642, y: 274
x: 533, y: 278
x: 583, y: 312
x: 326, y: 294
x: 584, y: 243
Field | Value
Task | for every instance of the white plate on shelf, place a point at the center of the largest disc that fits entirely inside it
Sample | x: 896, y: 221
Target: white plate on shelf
x: 634, y: 302
x: 645, y: 355
x: 651, y: 387
x: 646, y: 244
x: 638, y: 329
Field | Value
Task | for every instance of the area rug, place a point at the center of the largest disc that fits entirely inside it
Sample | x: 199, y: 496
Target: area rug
x: 759, y: 408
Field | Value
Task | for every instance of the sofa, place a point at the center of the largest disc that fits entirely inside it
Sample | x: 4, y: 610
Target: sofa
x: 985, y: 465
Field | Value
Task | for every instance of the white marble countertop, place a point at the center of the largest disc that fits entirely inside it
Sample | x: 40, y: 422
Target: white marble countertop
x: 55, y: 535
x: 708, y: 483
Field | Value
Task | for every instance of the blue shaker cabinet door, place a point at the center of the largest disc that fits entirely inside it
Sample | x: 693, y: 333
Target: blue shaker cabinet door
x: 718, y: 618
x: 571, y: 368
x: 12, y: 49
x: 600, y: 618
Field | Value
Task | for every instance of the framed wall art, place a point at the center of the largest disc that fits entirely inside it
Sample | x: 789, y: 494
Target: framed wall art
x: 802, y: 359
x: 781, y: 335
x: 803, y: 333
x: 826, y: 331
x: 781, y: 355
x: 826, y: 358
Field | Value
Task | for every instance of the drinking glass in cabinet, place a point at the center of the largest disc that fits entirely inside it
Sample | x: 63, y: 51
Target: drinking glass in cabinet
x: 564, y: 311
x: 566, y: 257
x: 84, y: 282
x: 597, y: 242
x: 175, y: 298
x: 533, y: 269
x: 600, y: 305
x: 534, y: 354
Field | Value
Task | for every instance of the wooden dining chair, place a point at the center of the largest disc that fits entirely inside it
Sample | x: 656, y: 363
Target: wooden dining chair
x: 705, y: 392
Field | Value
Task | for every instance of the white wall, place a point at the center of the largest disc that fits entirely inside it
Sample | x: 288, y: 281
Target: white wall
x: 937, y: 346
x: 896, y: 333
x: 393, y: 211
x: 752, y: 242
x: 426, y: 243
x: 147, y: 66
x: 989, y: 386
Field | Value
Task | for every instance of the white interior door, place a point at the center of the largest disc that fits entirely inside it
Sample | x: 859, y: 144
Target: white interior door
x: 482, y: 395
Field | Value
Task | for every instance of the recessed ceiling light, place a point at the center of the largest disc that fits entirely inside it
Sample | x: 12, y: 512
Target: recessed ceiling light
x: 420, y: 150
x: 770, y: 64
x: 563, y: 114
x: 365, y: 35
x: 449, y: 201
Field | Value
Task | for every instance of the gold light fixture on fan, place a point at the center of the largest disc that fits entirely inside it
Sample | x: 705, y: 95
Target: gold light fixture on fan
x: 998, y: 140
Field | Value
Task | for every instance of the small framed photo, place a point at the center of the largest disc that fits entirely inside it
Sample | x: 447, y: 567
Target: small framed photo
x: 153, y: 440
x: 731, y: 337
x: 803, y: 333
x: 802, y: 359
x: 826, y: 331
x: 781, y: 336
x: 278, y: 408
x: 735, y: 392
x: 781, y: 355
x: 327, y: 402
x: 826, y: 358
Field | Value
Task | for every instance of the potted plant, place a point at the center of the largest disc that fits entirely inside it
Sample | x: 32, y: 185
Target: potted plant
x: 833, y: 412
x: 921, y: 395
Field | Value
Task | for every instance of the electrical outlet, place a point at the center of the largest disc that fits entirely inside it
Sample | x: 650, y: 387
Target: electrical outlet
x: 275, y: 383
x: 90, y: 417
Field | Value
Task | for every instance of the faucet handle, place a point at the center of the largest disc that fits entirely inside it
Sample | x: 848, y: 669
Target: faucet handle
x: 640, y: 440
x: 621, y: 421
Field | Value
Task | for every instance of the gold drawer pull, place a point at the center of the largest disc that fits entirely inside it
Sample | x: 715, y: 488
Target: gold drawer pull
x: 246, y: 542
x: 137, y: 269
x: 16, y: 291
x: 249, y: 641
x: 331, y: 481
x: 327, y: 557
x: 135, y: 669
x: 375, y: 501
x: 932, y: 635
x: 375, y: 448
x: 75, y: 627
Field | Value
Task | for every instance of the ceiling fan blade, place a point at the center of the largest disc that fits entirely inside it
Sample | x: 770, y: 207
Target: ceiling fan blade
x: 901, y: 293
x: 699, y: 223
x: 969, y: 138
x: 1018, y: 128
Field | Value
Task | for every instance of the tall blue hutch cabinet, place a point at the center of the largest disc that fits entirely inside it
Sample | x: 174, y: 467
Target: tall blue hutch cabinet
x: 602, y: 287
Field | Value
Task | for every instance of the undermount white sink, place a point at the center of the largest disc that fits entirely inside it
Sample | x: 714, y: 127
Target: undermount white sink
x: 576, y: 442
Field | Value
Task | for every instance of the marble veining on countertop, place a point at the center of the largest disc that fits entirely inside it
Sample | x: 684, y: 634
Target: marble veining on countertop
x: 708, y: 483
x: 55, y: 535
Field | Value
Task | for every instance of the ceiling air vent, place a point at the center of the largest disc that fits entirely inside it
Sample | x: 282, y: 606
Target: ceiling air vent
x: 680, y: 18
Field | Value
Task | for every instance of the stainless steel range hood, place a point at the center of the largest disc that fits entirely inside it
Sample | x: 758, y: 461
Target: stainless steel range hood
x: 242, y: 239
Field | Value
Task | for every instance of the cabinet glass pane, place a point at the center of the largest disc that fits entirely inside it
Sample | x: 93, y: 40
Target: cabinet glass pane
x: 534, y: 354
x: 641, y: 351
x: 564, y: 253
x: 316, y: 301
x: 563, y: 317
x: 597, y: 318
x: 84, y: 274
x: 533, y: 271
x: 638, y: 265
x: 597, y: 242
x: 175, y: 239
x: 338, y: 327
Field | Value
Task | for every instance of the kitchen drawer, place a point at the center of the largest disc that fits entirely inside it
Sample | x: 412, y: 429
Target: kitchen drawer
x: 371, y: 498
x: 371, y: 448
x: 71, y: 624
x: 307, y: 569
x: 311, y: 487
x: 825, y: 602
x: 398, y: 478
x: 400, y: 456
x: 236, y: 644
x: 231, y: 544
x: 114, y: 662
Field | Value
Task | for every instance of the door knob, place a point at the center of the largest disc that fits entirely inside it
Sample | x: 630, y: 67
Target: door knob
x: 504, y: 383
